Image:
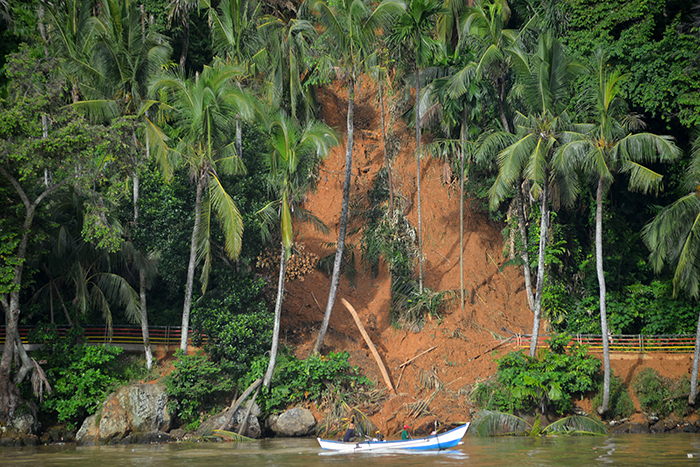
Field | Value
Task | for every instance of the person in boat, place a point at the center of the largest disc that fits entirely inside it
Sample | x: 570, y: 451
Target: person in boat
x: 404, y: 433
x: 350, y: 432
x: 378, y: 436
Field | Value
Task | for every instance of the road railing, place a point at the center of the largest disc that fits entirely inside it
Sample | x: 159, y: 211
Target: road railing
x: 636, y: 343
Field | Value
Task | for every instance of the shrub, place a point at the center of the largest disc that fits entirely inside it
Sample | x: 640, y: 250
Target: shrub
x: 196, y: 386
x: 235, y: 321
x: 315, y: 379
x: 621, y: 405
x: 80, y: 375
x: 659, y: 395
x: 548, y: 381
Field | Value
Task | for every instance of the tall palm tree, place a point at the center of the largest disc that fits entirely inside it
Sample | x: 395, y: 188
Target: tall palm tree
x: 533, y: 155
x: 70, y: 30
x: 284, y: 64
x: 484, y: 29
x: 350, y: 30
x: 414, y: 28
x: 204, y: 107
x: 295, y: 153
x: 608, y: 148
x: 236, y: 40
x: 180, y: 10
x: 674, y: 238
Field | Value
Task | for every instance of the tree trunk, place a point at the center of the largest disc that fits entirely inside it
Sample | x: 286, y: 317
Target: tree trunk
x: 9, y: 393
x: 278, y: 318
x: 601, y: 284
x: 239, y: 137
x: 544, y: 226
x: 418, y: 193
x: 185, y: 41
x: 387, y: 162
x: 694, y: 373
x: 335, y: 277
x: 191, y: 265
x: 144, y: 320
x: 524, y: 254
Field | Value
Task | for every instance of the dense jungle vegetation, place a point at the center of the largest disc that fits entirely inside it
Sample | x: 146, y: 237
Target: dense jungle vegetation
x: 154, y: 157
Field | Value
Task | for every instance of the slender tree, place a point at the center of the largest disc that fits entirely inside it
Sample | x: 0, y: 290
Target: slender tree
x: 533, y: 155
x: 295, y: 153
x: 484, y: 30
x: 350, y: 30
x: 608, y: 148
x: 414, y: 28
x: 205, y: 107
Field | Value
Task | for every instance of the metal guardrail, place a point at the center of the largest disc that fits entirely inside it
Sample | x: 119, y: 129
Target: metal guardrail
x: 121, y: 335
x: 637, y: 343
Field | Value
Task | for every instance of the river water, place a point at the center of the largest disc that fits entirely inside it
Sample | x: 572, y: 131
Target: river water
x: 619, y: 450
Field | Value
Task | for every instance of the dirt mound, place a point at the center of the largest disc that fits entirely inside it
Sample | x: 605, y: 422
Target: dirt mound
x: 462, y: 340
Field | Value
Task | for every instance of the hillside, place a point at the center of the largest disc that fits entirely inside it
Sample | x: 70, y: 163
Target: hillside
x: 464, y: 339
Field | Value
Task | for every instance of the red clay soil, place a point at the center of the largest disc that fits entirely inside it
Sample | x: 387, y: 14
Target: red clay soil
x: 464, y: 339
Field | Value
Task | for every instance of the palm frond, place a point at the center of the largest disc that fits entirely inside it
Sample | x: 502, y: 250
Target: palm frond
x: 576, y: 424
x: 492, y: 423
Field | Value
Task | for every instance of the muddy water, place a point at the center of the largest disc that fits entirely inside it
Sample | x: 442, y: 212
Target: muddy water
x: 622, y: 450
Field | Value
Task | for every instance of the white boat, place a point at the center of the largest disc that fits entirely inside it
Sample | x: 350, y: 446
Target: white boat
x: 438, y: 442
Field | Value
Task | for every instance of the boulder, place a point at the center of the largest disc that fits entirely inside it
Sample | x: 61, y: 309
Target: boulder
x: 214, y: 423
x: 294, y: 422
x: 137, y: 408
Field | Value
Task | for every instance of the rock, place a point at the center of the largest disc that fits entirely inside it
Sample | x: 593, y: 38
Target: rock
x: 24, y: 424
x: 87, y: 434
x: 662, y: 426
x: 178, y: 433
x: 638, y: 428
x: 294, y: 422
x: 137, y: 408
x: 214, y: 423
x: 153, y: 437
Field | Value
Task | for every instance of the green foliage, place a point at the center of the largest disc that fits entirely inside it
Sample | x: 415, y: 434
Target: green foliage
x: 549, y: 381
x: 394, y: 241
x: 233, y: 321
x: 661, y: 396
x: 80, y: 375
x: 654, y: 44
x: 197, y: 385
x: 621, y: 405
x: 637, y: 309
x: 315, y: 379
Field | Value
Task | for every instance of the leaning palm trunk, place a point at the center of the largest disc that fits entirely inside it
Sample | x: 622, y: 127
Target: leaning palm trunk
x: 191, y: 265
x: 144, y: 321
x: 343, y: 218
x: 278, y: 319
x: 601, y: 283
x: 544, y: 226
x: 694, y: 374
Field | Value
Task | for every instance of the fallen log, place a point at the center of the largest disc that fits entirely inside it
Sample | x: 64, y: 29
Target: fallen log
x: 240, y: 401
x: 371, y: 346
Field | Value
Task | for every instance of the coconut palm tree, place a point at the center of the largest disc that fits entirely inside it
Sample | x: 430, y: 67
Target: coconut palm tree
x: 414, y: 28
x: 295, y: 153
x: 608, y: 148
x: 284, y: 64
x: 674, y: 238
x: 70, y: 30
x: 350, y: 29
x: 205, y: 107
x: 533, y: 155
x: 484, y: 30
